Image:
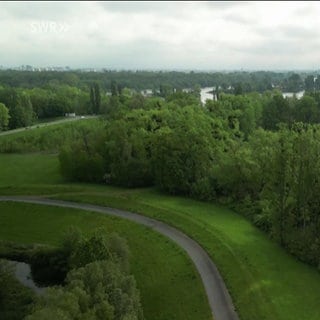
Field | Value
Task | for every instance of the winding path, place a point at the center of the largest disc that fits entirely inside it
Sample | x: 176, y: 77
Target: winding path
x: 219, y: 299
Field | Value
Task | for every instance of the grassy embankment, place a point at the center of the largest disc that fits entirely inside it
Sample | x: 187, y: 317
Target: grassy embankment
x: 265, y: 282
x: 169, y: 284
x: 170, y: 287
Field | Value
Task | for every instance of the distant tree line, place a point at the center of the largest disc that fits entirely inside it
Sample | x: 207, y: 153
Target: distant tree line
x: 139, y: 80
x: 27, y: 96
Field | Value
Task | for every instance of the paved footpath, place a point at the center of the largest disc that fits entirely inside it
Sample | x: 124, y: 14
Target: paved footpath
x: 219, y: 299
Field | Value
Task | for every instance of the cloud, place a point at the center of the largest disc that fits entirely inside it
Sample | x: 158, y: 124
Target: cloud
x: 300, y: 33
x: 37, y: 10
x: 225, y: 5
x: 187, y: 35
x: 135, y: 7
x: 239, y: 19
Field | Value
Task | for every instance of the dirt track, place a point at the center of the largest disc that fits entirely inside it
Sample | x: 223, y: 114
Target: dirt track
x: 219, y: 299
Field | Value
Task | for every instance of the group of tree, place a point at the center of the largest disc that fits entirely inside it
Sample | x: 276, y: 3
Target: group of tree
x: 21, y: 107
x: 46, y: 94
x: 257, y: 152
x: 15, y: 299
x: 246, y: 81
x: 94, y: 281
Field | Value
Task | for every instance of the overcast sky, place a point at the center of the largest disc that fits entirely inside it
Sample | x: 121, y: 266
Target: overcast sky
x: 161, y: 35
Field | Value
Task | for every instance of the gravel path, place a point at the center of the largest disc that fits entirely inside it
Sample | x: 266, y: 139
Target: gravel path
x: 219, y: 299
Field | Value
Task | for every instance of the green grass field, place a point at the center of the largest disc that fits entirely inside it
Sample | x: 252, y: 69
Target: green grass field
x: 169, y: 285
x: 33, y: 169
x: 264, y: 281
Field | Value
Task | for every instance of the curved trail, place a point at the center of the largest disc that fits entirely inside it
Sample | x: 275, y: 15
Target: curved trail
x: 219, y: 299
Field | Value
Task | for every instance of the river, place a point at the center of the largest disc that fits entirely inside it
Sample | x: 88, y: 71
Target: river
x: 299, y: 94
x: 206, y: 94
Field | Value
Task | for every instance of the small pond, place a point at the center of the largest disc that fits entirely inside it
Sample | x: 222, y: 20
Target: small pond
x: 22, y: 272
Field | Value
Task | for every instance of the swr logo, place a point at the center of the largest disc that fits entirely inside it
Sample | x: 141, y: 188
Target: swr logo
x: 49, y: 26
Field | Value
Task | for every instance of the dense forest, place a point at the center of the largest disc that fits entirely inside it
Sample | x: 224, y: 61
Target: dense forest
x: 257, y: 153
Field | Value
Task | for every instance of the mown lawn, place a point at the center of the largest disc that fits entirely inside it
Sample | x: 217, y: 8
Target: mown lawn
x: 264, y: 281
x: 170, y: 286
x: 18, y: 170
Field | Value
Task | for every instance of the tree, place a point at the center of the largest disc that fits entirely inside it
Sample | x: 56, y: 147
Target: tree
x: 309, y: 83
x: 20, y: 110
x: 98, y: 285
x: 127, y: 149
x: 294, y: 83
x: 15, y: 299
x: 114, y: 88
x: 317, y: 83
x: 95, y: 98
x: 80, y: 160
x: 276, y: 110
x: 97, y: 291
x: 165, y: 90
x: 238, y: 89
x: 181, y: 167
x: 4, y: 117
x: 306, y: 110
x: 290, y: 193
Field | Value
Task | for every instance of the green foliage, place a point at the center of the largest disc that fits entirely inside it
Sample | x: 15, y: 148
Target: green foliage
x: 306, y: 110
x: 292, y: 190
x: 95, y: 98
x: 242, y: 112
x: 180, y: 166
x: 15, y: 299
x: 78, y: 165
x: 215, y: 152
x: 99, y: 290
x: 50, y: 138
x: 158, y: 264
x: 293, y: 83
x: 19, y: 105
x: 98, y: 284
x: 139, y: 80
x: 89, y: 250
x: 4, y: 117
x: 264, y: 283
x: 49, y: 266
x: 56, y: 100
x: 127, y: 150
x: 243, y: 148
x: 275, y: 111
x: 184, y: 99
x: 309, y: 83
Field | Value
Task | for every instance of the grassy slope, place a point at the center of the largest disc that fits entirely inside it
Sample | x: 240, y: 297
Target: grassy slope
x: 21, y: 169
x: 170, y: 287
x: 264, y: 281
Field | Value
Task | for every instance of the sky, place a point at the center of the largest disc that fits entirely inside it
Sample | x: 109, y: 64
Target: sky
x: 184, y: 35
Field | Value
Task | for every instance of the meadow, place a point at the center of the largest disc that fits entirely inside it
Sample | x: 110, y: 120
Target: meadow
x: 265, y: 282
x: 169, y: 286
